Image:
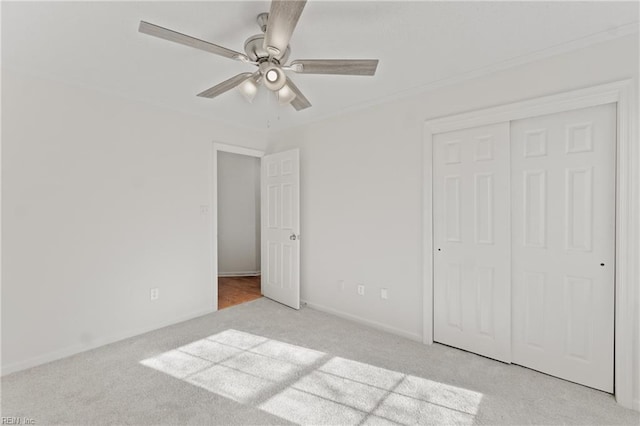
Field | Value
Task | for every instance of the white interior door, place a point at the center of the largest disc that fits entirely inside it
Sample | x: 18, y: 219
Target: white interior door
x: 472, y: 296
x: 563, y: 192
x: 280, y: 227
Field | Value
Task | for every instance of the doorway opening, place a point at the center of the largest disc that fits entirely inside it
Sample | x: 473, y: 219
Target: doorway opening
x: 237, y: 225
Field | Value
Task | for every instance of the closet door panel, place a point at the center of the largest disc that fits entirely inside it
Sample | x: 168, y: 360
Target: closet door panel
x: 563, y: 235
x: 472, y: 299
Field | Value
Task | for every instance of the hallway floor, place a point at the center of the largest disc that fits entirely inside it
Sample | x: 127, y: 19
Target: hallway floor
x: 236, y: 290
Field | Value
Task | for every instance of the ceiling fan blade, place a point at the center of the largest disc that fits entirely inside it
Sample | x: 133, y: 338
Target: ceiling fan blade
x: 299, y: 102
x: 335, y: 66
x: 283, y: 17
x: 176, y: 37
x: 226, y: 85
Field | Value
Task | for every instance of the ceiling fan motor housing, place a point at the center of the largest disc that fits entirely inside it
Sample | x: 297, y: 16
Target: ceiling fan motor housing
x: 254, y: 48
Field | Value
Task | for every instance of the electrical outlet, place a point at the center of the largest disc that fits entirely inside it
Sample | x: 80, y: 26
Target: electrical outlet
x: 361, y: 289
x: 154, y: 293
x: 204, y: 209
x: 384, y: 294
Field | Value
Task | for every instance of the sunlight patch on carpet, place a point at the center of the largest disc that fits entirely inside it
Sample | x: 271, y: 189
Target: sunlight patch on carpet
x: 306, y: 386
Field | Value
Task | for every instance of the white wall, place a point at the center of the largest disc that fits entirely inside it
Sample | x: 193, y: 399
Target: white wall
x: 238, y: 214
x: 101, y: 202
x: 361, y: 183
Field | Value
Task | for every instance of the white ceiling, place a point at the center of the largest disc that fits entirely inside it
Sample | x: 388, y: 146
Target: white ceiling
x: 97, y: 44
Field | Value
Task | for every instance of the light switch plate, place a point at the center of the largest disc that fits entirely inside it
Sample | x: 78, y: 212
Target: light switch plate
x: 384, y: 294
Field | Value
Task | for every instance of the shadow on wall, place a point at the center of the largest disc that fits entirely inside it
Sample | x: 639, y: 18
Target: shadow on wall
x: 311, y: 387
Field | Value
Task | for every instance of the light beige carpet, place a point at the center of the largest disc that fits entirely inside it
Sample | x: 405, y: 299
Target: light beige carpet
x: 263, y: 363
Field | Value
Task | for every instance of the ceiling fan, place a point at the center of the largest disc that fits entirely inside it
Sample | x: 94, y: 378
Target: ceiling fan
x: 269, y: 52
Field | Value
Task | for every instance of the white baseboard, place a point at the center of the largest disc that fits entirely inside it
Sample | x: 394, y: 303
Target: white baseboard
x: 238, y: 274
x: 374, y: 324
x: 78, y: 348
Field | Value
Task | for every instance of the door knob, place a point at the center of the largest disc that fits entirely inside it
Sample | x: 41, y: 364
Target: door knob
x: 294, y: 237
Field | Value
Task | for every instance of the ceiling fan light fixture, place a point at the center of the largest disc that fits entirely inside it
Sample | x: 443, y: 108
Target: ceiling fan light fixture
x: 274, y: 77
x: 286, y: 95
x: 248, y: 89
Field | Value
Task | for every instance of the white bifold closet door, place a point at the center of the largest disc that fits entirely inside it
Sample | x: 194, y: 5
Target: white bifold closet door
x: 472, y: 268
x: 563, y: 216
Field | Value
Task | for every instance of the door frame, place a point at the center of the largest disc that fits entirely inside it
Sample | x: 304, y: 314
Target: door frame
x: 233, y: 149
x: 627, y: 233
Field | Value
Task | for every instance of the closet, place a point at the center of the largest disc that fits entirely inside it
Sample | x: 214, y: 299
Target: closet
x: 524, y: 239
